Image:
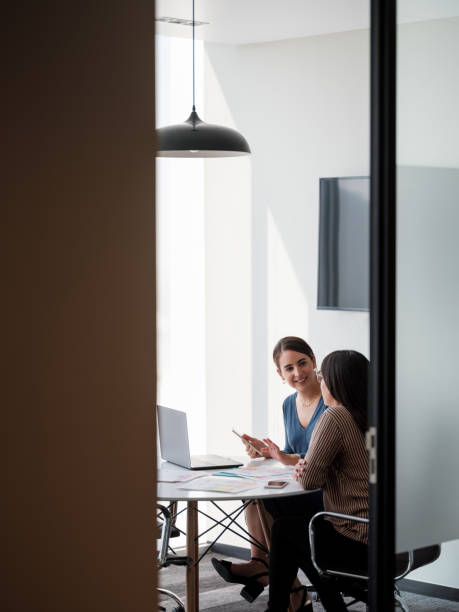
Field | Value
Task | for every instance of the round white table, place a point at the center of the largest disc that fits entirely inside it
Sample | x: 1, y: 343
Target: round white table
x: 173, y: 492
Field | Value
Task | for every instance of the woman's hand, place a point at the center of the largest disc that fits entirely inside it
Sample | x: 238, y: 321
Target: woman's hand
x: 274, y: 451
x: 299, y: 469
x: 258, y: 444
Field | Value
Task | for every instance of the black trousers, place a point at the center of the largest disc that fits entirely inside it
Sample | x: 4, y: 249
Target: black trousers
x: 304, y: 505
x: 290, y: 550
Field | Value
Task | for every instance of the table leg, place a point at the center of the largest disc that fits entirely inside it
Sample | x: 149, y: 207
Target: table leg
x: 192, y: 570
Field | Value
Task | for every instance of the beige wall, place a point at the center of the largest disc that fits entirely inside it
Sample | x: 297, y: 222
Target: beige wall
x: 79, y: 343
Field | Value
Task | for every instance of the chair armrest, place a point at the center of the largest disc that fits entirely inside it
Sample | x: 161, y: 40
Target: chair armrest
x: 348, y: 517
x: 415, y: 558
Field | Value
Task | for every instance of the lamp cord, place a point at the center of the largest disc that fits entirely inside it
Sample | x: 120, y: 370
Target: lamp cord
x: 193, y: 62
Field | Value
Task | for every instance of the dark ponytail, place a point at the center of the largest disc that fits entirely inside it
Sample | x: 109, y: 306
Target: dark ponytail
x: 346, y: 375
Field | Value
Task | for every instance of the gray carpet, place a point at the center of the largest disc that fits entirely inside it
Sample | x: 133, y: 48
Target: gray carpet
x: 216, y: 594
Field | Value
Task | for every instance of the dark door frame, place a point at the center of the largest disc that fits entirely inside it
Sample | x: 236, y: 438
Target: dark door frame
x: 382, y: 304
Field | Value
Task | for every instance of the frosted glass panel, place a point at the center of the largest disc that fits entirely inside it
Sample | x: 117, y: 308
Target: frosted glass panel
x: 427, y: 356
x: 427, y: 377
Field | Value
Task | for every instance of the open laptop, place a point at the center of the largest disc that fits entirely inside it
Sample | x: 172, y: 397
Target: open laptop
x: 173, y: 438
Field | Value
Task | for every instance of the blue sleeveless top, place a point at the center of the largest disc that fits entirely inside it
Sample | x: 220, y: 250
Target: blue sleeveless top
x: 297, y: 437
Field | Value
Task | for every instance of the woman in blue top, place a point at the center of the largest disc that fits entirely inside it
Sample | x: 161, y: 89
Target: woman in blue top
x: 295, y: 364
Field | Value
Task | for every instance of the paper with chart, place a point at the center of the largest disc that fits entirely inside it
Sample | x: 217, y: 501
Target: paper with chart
x: 260, y: 471
x: 221, y: 485
x: 177, y: 476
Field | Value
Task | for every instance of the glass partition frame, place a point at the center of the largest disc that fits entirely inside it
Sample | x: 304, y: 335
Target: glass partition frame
x: 381, y: 418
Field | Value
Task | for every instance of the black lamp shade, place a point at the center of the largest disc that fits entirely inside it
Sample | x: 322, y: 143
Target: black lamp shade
x: 195, y: 138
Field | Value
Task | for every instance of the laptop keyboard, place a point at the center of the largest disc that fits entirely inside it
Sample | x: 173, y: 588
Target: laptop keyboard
x: 206, y: 459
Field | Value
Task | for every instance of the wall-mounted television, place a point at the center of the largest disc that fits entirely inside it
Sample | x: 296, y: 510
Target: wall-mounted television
x: 344, y: 243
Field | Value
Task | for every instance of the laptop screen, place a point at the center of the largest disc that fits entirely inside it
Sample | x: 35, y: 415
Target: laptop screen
x: 173, y: 436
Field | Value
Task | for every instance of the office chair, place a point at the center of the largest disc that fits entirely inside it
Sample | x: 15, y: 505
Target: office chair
x: 166, y: 530
x: 355, y: 585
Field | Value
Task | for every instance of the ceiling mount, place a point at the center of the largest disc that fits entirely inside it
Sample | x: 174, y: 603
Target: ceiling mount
x: 195, y: 138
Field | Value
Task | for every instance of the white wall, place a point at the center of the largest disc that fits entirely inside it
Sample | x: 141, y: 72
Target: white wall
x: 303, y: 106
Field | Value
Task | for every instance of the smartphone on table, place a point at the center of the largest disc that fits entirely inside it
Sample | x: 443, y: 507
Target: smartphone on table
x: 247, y: 442
x: 276, y: 484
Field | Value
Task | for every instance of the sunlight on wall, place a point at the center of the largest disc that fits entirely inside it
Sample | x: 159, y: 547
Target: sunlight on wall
x: 180, y: 251
x: 174, y: 78
x: 228, y: 302
x: 229, y: 286
x: 180, y: 231
x: 217, y: 102
x: 288, y: 315
x: 228, y: 282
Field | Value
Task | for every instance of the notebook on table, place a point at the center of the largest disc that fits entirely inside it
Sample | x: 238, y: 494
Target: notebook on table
x: 175, y: 448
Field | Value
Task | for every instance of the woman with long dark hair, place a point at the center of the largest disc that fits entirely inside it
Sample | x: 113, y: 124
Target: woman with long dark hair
x: 336, y: 462
x: 295, y: 363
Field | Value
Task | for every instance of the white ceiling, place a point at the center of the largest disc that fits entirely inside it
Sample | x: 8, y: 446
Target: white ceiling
x: 255, y: 21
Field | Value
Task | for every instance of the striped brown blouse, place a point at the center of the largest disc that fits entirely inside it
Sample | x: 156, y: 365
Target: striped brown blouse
x: 337, y: 462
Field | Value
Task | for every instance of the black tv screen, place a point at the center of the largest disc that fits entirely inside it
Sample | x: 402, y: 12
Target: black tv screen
x: 344, y: 243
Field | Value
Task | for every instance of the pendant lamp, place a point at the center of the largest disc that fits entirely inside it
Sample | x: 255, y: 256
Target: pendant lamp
x: 195, y: 138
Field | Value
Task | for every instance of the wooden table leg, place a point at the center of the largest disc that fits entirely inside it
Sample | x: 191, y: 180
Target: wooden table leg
x: 192, y: 571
